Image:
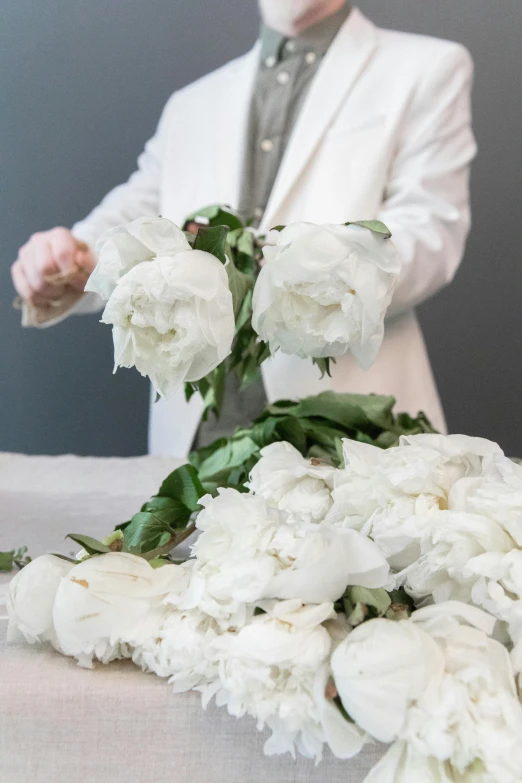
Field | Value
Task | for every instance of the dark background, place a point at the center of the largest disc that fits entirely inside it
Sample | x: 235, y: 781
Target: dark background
x: 82, y: 83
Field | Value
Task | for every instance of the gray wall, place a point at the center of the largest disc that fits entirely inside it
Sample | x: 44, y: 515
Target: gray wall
x: 82, y: 83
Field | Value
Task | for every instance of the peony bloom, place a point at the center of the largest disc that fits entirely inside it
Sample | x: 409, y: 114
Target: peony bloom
x: 173, y: 318
x: 31, y: 595
x: 393, y: 495
x: 287, y: 481
x: 448, y: 544
x: 460, y: 711
x: 180, y: 650
x: 384, y: 494
x: 324, y: 291
x: 268, y: 670
x: 497, y: 494
x: 111, y: 603
x: 498, y: 589
x: 121, y: 248
x: 379, y: 669
x: 248, y: 551
x: 472, y: 717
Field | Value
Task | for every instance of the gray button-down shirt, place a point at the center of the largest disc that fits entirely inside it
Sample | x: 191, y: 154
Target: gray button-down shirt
x: 286, y: 69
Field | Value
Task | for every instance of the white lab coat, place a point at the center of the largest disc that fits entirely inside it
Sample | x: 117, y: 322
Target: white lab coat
x: 385, y: 132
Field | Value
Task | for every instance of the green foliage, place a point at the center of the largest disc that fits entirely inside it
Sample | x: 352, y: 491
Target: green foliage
x: 14, y: 559
x: 361, y: 604
x: 315, y: 426
x: 215, y: 215
x: 377, y: 226
x: 324, y: 365
x: 91, y: 545
x: 212, y: 240
x: 7, y: 561
x: 163, y: 521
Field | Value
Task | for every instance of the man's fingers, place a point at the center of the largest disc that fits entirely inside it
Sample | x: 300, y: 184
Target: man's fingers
x: 20, y: 283
x: 63, y: 248
x: 85, y: 263
x: 37, y: 262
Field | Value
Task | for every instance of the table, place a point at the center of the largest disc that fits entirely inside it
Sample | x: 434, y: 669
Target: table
x: 63, y: 724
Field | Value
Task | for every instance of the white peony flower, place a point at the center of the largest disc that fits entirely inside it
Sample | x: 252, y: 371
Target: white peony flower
x: 31, y: 595
x: 460, y: 713
x: 247, y: 551
x: 180, y: 650
x: 384, y: 494
x: 119, y: 249
x: 111, y: 603
x: 472, y: 716
x: 497, y: 494
x: 448, y: 543
x: 317, y: 563
x: 498, y: 589
x: 324, y: 291
x: 268, y: 670
x: 173, y: 318
x: 379, y: 669
x: 393, y: 495
x: 461, y: 456
x: 287, y: 481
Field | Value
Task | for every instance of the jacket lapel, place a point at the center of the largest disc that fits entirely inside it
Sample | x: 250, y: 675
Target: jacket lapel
x: 341, y: 67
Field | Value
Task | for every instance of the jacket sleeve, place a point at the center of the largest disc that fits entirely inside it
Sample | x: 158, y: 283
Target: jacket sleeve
x: 139, y: 196
x: 426, y: 203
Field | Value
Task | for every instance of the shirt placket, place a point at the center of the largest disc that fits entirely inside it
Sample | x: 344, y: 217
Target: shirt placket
x: 274, y: 103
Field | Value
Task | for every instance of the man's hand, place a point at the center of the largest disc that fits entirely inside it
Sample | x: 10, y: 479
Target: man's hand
x: 48, y: 263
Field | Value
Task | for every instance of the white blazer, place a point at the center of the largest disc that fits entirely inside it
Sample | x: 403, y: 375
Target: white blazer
x: 385, y: 132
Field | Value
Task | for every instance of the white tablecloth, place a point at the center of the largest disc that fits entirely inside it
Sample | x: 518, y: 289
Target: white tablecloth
x: 42, y: 499
x: 63, y: 724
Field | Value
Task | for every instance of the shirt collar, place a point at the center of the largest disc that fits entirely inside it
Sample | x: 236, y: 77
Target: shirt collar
x: 316, y: 38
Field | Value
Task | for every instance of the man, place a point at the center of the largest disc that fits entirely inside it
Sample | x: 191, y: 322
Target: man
x: 326, y: 119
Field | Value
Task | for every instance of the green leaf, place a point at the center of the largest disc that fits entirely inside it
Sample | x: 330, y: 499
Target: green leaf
x: 212, y: 240
x: 277, y: 228
x: 377, y: 598
x: 148, y: 530
x: 6, y: 561
x: 233, y: 453
x: 291, y: 430
x: 189, y: 390
x: 216, y: 215
x: 324, y: 365
x: 352, y: 411
x: 91, y: 545
x: 244, y: 315
x: 64, y: 557
x: 246, y: 243
x: 239, y: 285
x: 377, y: 226
x: 158, y: 562
x: 184, y: 485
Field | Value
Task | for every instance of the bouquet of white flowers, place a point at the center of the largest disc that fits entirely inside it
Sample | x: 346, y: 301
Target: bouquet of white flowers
x: 191, y: 305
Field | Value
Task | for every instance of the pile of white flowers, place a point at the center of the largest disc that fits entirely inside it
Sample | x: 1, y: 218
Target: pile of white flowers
x: 323, y: 291
x: 259, y: 617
